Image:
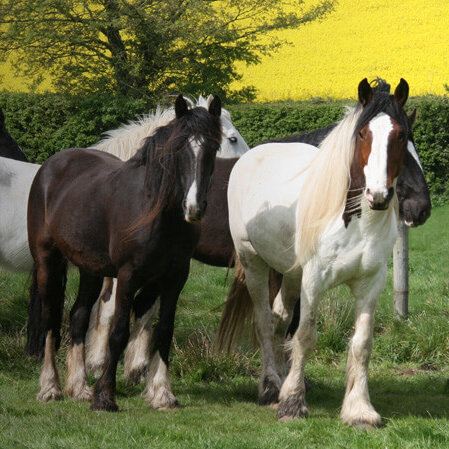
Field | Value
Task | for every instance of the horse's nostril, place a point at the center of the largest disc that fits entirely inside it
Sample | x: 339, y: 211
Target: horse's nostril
x: 184, y: 204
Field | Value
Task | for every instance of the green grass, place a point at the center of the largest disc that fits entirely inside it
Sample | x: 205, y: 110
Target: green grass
x: 409, y: 373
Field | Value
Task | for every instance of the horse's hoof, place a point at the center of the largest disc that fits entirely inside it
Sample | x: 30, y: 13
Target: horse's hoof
x: 370, y: 420
x: 291, y: 408
x: 49, y: 394
x: 83, y: 394
x: 104, y: 403
x: 268, y: 392
x: 163, y: 399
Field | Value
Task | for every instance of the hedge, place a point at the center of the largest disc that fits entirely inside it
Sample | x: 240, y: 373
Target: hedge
x: 45, y: 123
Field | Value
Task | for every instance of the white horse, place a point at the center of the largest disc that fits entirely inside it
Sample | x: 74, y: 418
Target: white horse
x: 125, y: 140
x: 321, y: 219
x: 15, y: 182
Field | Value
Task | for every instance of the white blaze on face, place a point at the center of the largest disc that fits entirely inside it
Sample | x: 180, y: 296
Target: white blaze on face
x: 191, y: 198
x: 376, y: 168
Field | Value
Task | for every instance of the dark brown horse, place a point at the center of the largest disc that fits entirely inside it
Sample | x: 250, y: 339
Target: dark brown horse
x: 131, y: 220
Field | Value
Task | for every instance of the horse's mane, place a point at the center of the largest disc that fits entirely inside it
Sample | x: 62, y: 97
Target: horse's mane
x: 324, y: 194
x: 124, y: 141
x: 159, y: 155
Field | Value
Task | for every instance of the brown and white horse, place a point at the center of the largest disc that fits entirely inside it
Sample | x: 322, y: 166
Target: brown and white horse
x: 320, y: 219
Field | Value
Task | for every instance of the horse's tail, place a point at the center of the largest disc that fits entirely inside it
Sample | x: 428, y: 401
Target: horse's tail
x: 237, y: 314
x: 36, y: 333
x: 35, y: 336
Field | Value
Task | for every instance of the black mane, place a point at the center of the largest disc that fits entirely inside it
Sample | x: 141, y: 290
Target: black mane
x: 159, y: 154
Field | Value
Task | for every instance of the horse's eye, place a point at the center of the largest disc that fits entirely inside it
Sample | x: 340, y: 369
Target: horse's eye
x: 233, y: 139
x: 361, y: 135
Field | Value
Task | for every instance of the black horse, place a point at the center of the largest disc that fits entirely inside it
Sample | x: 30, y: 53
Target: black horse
x: 8, y: 146
x: 131, y: 220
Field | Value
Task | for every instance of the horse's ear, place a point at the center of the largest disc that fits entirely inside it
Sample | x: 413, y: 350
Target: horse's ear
x: 181, y: 106
x: 209, y: 99
x: 215, y: 106
x: 365, y: 92
x: 412, y: 118
x: 401, y: 92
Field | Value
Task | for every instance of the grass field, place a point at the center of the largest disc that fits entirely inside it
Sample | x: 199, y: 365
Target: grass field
x: 409, y: 375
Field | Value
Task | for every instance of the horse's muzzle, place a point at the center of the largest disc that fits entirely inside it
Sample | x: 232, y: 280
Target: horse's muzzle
x: 379, y: 200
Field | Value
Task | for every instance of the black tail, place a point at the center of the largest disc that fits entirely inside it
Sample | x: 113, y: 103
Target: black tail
x: 36, y: 329
x: 35, y: 334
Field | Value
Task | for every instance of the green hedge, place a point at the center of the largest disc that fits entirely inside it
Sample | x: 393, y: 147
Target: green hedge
x: 44, y: 124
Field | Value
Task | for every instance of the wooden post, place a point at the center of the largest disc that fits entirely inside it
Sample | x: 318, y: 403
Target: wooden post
x: 400, y: 272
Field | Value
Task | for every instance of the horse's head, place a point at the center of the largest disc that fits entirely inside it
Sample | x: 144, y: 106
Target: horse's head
x: 197, y: 159
x: 381, y: 141
x: 413, y: 193
x: 232, y: 144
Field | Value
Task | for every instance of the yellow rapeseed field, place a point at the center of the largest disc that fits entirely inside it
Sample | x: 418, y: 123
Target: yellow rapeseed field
x: 386, y: 38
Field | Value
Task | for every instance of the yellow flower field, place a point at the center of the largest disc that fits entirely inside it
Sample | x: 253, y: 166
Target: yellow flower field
x: 386, y: 38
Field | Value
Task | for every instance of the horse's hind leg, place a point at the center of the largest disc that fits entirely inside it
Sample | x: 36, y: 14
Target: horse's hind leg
x: 76, y: 385
x: 256, y: 275
x: 100, y: 323
x: 51, y: 272
x: 137, y: 352
x: 283, y: 306
x: 357, y: 409
x: 104, y: 392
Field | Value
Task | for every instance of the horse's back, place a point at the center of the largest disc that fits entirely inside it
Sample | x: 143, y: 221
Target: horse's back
x: 263, y: 190
x: 69, y: 193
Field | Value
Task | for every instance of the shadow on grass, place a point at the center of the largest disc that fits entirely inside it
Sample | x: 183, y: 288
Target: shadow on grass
x: 389, y: 395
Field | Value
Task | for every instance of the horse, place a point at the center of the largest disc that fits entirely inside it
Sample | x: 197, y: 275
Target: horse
x: 131, y: 220
x: 8, y: 146
x: 321, y: 219
x: 125, y: 140
x: 216, y: 248
x: 16, y: 175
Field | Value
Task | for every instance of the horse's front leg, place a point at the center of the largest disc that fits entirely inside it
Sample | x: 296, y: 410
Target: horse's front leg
x: 104, y: 392
x: 158, y: 390
x: 357, y: 409
x: 292, y: 398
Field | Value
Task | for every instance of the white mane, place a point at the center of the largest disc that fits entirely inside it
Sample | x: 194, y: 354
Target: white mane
x: 324, y: 193
x: 124, y: 141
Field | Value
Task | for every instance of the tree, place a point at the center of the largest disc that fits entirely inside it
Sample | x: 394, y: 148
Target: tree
x: 144, y: 47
